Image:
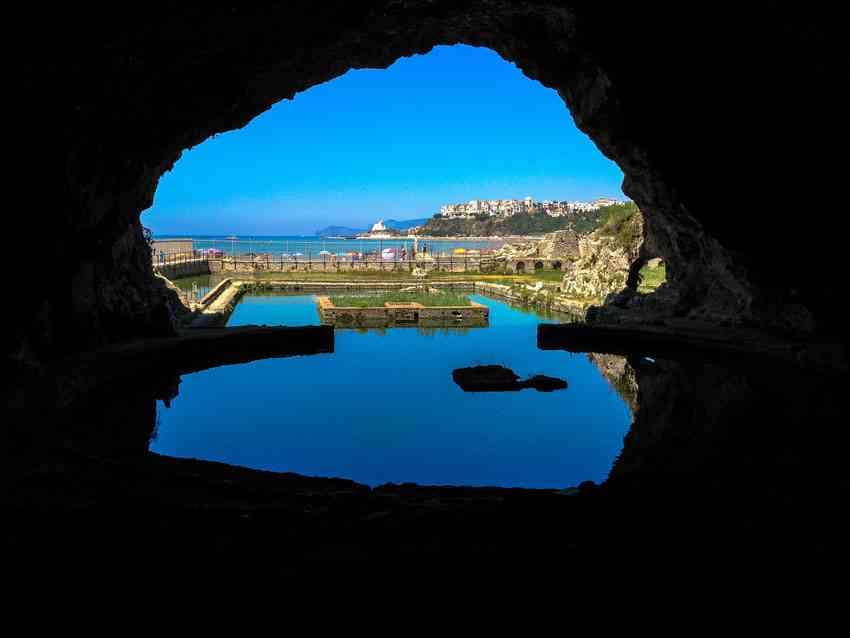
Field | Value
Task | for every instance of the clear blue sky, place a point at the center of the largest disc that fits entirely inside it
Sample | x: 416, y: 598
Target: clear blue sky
x: 456, y: 124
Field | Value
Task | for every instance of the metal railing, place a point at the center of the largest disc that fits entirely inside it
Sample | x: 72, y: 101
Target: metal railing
x: 325, y: 254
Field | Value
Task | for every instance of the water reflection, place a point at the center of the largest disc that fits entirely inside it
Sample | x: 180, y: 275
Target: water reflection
x: 739, y: 431
x: 767, y: 431
x: 721, y: 460
x: 384, y: 407
x: 619, y: 374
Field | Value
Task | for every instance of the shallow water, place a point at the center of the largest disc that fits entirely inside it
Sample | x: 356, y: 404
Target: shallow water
x: 384, y: 408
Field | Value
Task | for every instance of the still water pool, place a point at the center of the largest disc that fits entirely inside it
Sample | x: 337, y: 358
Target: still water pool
x: 384, y: 408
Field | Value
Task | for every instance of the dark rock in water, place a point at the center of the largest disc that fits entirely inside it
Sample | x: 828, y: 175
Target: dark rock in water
x: 486, y: 379
x: 501, y: 379
x: 543, y: 383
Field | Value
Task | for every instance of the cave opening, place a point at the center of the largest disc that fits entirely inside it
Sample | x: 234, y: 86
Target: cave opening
x: 271, y: 204
x: 717, y: 120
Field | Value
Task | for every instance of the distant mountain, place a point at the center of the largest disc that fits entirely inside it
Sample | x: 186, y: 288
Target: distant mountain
x: 347, y: 231
x: 339, y: 231
x: 404, y: 225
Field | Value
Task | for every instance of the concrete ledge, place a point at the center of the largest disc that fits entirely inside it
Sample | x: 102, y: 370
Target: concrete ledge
x: 399, y: 315
x: 215, y: 312
x: 213, y: 294
x: 184, y: 268
x: 351, y: 286
x: 692, y: 341
x: 574, y: 308
x: 194, y: 350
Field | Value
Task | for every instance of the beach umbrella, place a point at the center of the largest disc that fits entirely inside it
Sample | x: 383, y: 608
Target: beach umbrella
x: 325, y: 252
x: 459, y: 251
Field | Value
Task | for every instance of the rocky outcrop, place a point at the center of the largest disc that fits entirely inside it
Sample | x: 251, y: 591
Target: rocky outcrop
x: 605, y: 260
x: 720, y: 464
x: 494, y: 378
x: 561, y: 244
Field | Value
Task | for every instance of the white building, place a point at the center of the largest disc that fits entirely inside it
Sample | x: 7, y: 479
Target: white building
x: 508, y: 207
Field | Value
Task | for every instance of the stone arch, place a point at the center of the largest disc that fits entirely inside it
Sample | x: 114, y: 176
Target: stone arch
x: 557, y: 265
x: 538, y: 265
x: 519, y: 267
x: 633, y: 278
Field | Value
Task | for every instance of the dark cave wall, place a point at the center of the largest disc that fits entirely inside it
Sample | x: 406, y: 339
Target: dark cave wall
x: 721, y: 120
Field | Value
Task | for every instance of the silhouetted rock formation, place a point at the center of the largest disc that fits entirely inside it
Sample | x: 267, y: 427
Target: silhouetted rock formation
x: 724, y: 123
x: 117, y: 100
x: 697, y: 343
x: 502, y: 379
x: 720, y: 464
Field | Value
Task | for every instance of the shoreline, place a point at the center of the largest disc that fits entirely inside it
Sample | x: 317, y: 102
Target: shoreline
x: 300, y: 238
x: 462, y: 238
x: 440, y: 238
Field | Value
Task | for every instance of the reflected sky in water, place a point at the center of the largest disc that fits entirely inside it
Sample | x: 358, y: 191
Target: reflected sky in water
x: 383, y: 407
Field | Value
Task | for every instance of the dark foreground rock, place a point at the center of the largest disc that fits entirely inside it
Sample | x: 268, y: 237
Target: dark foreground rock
x: 740, y: 465
x: 206, y: 70
x: 501, y: 379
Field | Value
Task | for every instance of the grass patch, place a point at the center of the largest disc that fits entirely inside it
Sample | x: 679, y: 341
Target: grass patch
x: 378, y: 300
x: 651, y: 278
x: 623, y: 223
x: 551, y: 276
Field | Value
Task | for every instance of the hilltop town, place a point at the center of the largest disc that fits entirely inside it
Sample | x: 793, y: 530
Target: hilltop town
x: 529, y: 217
x: 514, y: 217
x: 509, y: 207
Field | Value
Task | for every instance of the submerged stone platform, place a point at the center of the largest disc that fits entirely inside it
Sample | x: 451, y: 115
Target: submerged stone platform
x: 395, y: 314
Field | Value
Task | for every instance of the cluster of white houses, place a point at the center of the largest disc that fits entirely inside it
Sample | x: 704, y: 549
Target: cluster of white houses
x: 508, y: 207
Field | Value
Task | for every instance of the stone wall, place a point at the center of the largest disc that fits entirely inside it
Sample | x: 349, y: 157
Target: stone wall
x: 453, y: 264
x: 525, y: 265
x: 561, y: 245
x: 402, y: 314
x: 189, y: 268
x: 351, y: 286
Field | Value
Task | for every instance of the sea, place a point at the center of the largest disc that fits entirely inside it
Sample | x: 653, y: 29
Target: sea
x: 313, y: 245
